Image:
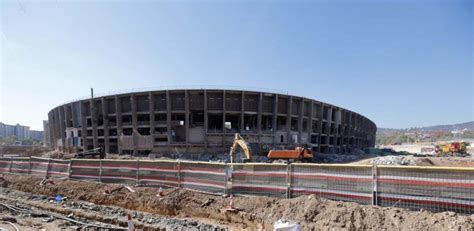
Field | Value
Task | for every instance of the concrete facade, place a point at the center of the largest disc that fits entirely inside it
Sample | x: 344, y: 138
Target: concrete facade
x: 205, y: 120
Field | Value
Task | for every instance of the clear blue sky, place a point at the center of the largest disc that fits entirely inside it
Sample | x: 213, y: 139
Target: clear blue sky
x: 401, y: 63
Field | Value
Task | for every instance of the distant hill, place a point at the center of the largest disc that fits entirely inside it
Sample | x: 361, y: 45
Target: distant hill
x: 425, y: 134
x: 436, y: 128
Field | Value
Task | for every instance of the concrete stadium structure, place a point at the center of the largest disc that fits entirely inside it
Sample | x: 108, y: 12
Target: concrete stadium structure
x: 205, y: 120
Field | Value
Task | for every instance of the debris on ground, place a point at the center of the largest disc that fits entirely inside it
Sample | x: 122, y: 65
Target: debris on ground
x: 86, y: 199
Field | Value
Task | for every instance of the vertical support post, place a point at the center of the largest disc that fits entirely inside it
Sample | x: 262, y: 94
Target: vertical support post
x: 69, y: 170
x: 47, y: 168
x: 100, y: 170
x: 138, y: 172
x: 288, y: 181
x: 29, y: 166
x: 226, y: 178
x: 11, y: 164
x: 179, y: 173
x: 374, y: 185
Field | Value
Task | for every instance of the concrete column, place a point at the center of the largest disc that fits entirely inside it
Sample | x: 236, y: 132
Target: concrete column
x: 288, y: 119
x: 186, y: 119
x: 168, y: 118
x: 300, y: 120
x: 73, y: 115
x: 62, y: 128
x: 259, y: 115
x: 275, y: 112
x: 84, y: 126
x: 51, y: 130
x: 309, y: 127
x: 151, y: 109
x: 65, y: 125
x: 133, y: 102
x: 242, y: 107
x: 206, y: 122
x: 106, y: 125
x: 320, y: 125
x: 118, y: 113
x: 94, y: 123
x: 223, y: 119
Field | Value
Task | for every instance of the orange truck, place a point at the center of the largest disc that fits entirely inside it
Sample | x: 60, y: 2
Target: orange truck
x: 299, y: 153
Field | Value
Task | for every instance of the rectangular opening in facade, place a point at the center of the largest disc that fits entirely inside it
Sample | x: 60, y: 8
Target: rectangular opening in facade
x: 89, y: 132
x: 100, y: 132
x: 87, y: 108
x: 234, y: 122
x: 307, y: 109
x: 177, y: 101
x: 251, y: 102
x: 326, y: 113
x: 196, y: 100
x: 250, y: 122
x: 159, y: 102
x: 214, y: 101
x: 324, y: 139
x: 214, y: 122
x: 331, y: 140
x: 126, y: 119
x: 314, y: 126
x: 282, y: 105
x: 333, y: 129
x: 100, y: 120
x: 144, y: 131
x: 161, y: 118
x: 89, y: 122
x: 233, y: 102
x: 314, y: 139
x: 268, y: 103
x: 110, y: 106
x: 125, y: 105
x: 305, y: 125
x: 127, y: 131
x: 143, y: 103
x: 295, y: 107
x: 294, y: 124
x: 112, y: 132
x: 334, y: 115
x: 143, y: 119
x: 281, y: 123
x: 267, y: 123
x: 178, y: 129
x: 324, y: 128
x: 196, y: 119
x: 113, y: 149
x: 112, y: 120
x: 161, y: 130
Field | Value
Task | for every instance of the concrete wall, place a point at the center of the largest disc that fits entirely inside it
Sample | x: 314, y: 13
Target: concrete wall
x: 205, y: 120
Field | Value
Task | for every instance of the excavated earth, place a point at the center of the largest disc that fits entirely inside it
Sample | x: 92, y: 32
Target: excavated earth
x: 255, y: 213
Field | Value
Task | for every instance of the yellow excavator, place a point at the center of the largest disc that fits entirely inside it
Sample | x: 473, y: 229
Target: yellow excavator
x: 239, y: 141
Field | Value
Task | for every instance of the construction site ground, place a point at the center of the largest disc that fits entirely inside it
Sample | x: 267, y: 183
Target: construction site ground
x: 178, y: 209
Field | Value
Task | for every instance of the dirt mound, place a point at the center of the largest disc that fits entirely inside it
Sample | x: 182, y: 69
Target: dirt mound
x: 256, y: 212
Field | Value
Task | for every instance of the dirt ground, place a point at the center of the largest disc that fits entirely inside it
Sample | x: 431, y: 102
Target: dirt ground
x: 256, y: 213
x: 420, y: 160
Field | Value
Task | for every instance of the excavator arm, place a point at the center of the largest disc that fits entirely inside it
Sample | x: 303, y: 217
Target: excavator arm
x: 239, y: 141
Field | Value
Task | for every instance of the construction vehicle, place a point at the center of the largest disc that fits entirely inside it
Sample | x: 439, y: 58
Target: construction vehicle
x: 452, y: 148
x: 91, y: 153
x: 239, y: 141
x: 302, y: 154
